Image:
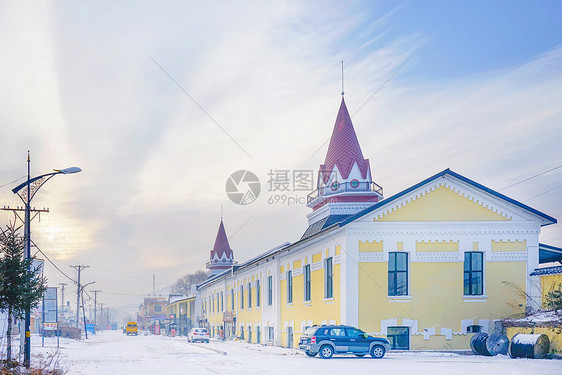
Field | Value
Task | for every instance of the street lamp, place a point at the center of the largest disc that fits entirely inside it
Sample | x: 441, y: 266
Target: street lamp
x: 26, y: 191
x: 83, y: 310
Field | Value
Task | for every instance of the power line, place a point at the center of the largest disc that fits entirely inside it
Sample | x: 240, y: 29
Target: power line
x: 530, y: 178
x: 201, y: 107
x: 543, y: 193
x: 52, y: 263
x: 9, y: 183
x: 131, y: 276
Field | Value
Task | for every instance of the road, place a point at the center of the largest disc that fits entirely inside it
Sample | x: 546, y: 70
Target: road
x: 112, y: 352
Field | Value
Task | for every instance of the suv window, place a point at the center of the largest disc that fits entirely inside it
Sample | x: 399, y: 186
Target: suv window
x: 310, y: 331
x: 337, y: 332
x: 355, y: 333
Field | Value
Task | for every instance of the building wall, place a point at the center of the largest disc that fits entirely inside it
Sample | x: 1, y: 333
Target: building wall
x: 435, y: 225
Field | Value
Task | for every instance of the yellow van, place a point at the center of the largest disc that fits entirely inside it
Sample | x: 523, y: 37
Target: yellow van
x: 132, y: 329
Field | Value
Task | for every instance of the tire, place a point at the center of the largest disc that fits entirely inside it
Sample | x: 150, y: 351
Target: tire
x: 378, y: 351
x: 360, y: 355
x: 326, y: 352
x: 207, y: 341
x: 310, y: 354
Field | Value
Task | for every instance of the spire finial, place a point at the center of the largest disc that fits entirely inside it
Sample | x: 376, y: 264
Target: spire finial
x: 342, y: 92
x: 221, y: 211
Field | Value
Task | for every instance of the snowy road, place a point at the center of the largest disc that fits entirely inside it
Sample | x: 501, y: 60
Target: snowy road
x: 111, y: 352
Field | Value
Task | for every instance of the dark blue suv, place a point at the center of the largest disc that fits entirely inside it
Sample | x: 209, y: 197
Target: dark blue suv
x: 338, y: 339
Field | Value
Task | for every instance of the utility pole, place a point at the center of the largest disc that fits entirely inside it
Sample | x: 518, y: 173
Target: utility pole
x: 79, y: 268
x: 62, y: 300
x: 101, y: 308
x: 95, y: 308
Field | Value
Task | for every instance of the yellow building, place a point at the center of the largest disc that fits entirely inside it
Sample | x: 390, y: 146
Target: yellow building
x: 426, y: 267
x: 181, y: 313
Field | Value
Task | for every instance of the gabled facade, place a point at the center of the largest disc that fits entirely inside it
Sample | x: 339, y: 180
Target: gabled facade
x: 426, y: 267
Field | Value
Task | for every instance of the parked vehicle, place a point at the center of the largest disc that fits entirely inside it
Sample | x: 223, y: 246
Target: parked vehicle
x: 198, y: 334
x: 132, y: 328
x: 328, y: 340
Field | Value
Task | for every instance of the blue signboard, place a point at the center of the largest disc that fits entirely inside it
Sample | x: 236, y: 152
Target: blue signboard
x: 90, y: 328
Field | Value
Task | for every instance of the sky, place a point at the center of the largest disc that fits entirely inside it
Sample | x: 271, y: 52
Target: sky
x: 159, y: 102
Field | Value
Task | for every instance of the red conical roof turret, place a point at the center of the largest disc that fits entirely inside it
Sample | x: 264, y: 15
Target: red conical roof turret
x: 344, y: 149
x: 221, y: 245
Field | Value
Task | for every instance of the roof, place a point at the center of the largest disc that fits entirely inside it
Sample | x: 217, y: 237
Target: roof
x: 344, y: 149
x: 547, y: 220
x: 549, y: 254
x: 221, y: 244
x: 322, y: 224
x: 556, y: 270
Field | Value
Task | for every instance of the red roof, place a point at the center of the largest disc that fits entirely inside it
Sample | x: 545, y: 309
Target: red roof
x: 344, y: 149
x: 221, y: 244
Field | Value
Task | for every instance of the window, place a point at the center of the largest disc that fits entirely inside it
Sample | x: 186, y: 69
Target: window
x: 473, y: 274
x: 289, y: 286
x: 242, y: 332
x: 222, y: 301
x: 399, y: 337
x: 473, y: 329
x: 157, y: 308
x: 249, y: 334
x: 232, y: 298
x: 337, y: 332
x: 249, y: 295
x: 354, y: 333
x: 258, y: 335
x: 329, y: 277
x: 397, y: 274
x: 307, y: 282
x: 213, y: 304
x: 271, y: 337
x: 258, y: 297
x: 241, y: 296
x: 270, y: 290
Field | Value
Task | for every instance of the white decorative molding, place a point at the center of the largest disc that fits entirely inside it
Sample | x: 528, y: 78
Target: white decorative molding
x: 337, y: 259
x: 369, y: 257
x: 438, y: 256
x: 464, y: 325
x: 388, y: 323
x: 507, y: 256
x: 297, y: 271
x: 316, y: 266
x: 413, y: 324
x: 428, y: 332
x: 447, y: 332
x: 485, y: 324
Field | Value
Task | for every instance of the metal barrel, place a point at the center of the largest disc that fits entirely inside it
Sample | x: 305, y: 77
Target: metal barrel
x: 529, y: 346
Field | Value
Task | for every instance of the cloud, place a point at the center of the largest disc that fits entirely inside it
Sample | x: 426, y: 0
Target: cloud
x: 80, y: 89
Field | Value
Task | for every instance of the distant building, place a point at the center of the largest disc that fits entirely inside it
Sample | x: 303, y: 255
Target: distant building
x: 426, y: 267
x: 151, y: 312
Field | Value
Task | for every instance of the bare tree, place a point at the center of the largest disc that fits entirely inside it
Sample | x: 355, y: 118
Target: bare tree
x: 184, y: 283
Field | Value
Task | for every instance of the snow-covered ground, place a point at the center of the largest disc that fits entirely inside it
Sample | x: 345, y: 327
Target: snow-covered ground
x: 112, y: 352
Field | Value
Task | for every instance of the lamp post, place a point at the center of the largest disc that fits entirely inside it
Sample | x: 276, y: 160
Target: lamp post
x: 26, y: 191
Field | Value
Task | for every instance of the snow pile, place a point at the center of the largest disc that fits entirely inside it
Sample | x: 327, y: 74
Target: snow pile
x: 540, y: 317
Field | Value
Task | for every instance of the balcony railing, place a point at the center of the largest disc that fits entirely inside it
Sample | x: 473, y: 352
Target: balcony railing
x: 352, y: 186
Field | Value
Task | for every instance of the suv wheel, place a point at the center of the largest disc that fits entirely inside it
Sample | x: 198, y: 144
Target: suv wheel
x: 310, y: 354
x: 326, y: 351
x: 377, y: 351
